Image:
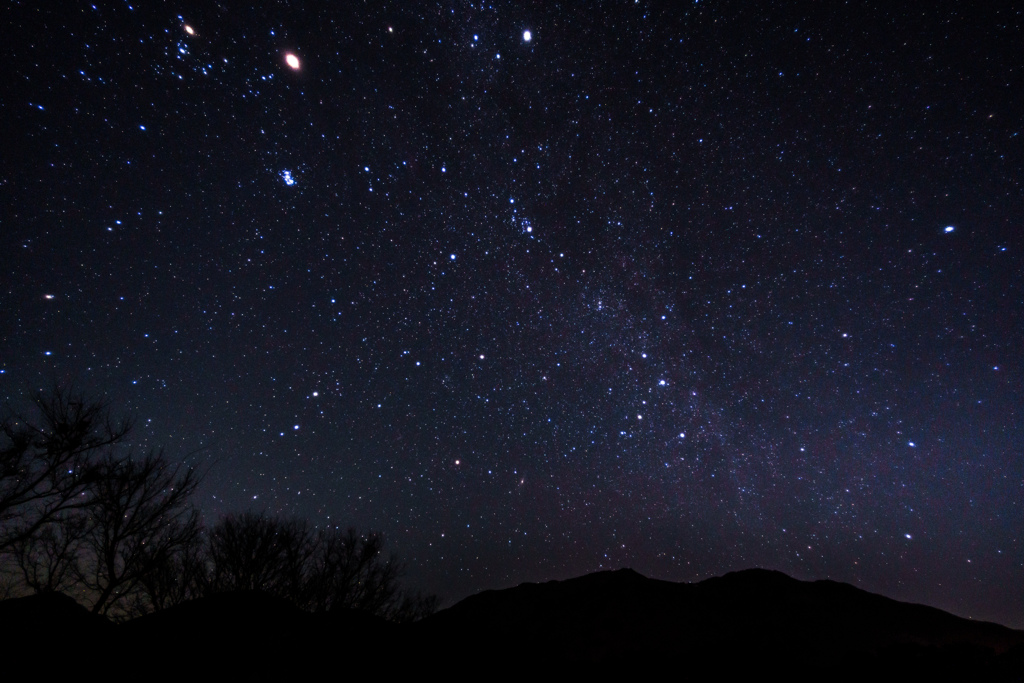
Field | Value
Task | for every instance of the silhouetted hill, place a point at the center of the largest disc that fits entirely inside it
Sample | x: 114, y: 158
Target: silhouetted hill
x: 43, y: 614
x: 257, y: 634
x: 744, y: 620
x: 34, y: 629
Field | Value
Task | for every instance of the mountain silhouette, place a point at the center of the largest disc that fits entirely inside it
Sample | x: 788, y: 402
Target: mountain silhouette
x: 745, y: 620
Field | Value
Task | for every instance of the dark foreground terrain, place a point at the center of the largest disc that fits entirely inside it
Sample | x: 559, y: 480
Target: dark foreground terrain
x: 752, y: 621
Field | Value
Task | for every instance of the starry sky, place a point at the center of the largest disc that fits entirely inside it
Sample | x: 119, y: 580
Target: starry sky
x: 538, y: 288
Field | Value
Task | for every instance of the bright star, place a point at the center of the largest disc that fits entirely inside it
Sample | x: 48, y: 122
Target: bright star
x: 950, y: 228
x: 527, y: 36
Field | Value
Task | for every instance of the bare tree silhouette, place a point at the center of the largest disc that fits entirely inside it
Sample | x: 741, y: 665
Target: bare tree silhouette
x: 139, y: 513
x: 173, y: 577
x: 47, y: 560
x: 318, y: 571
x: 48, y: 460
x: 255, y: 552
x: 350, y: 571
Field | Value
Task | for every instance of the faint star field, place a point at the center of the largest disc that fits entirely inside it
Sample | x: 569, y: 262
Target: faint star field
x: 542, y: 290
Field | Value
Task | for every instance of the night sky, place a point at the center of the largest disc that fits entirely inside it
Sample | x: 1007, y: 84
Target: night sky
x: 539, y: 289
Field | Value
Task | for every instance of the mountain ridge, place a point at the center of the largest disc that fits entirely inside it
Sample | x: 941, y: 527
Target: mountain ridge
x: 618, y: 616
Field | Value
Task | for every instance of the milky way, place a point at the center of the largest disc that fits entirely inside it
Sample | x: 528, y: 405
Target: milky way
x: 537, y: 291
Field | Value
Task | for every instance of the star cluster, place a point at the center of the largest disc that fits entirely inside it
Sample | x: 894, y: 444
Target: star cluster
x: 539, y: 290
